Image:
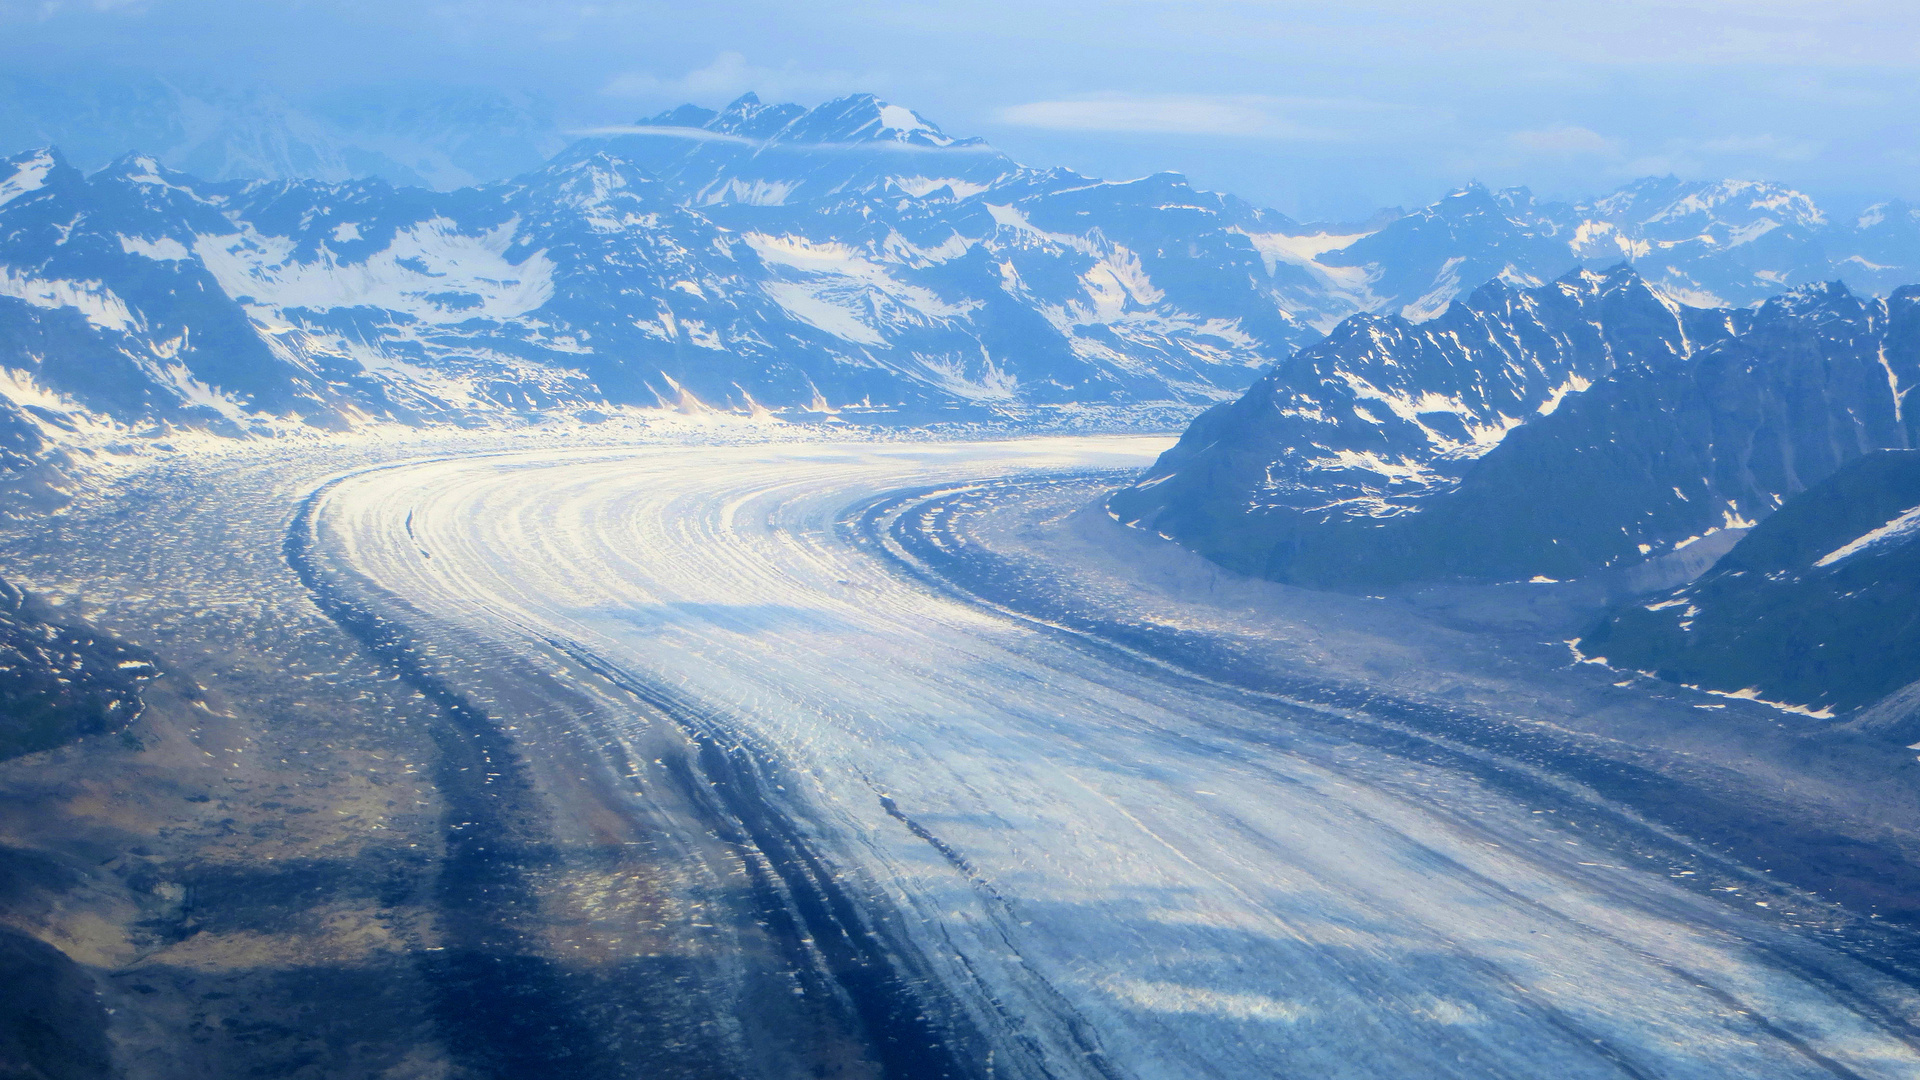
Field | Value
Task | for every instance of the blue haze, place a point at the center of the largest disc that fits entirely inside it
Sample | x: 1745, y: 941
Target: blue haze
x: 1320, y: 110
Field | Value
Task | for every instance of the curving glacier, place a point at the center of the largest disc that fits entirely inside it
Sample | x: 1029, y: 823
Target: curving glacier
x: 1079, y: 861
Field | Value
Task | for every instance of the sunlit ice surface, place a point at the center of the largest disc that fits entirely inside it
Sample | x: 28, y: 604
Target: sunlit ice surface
x: 1114, y: 871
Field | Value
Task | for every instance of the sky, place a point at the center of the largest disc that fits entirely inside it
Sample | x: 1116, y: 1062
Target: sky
x: 1322, y: 110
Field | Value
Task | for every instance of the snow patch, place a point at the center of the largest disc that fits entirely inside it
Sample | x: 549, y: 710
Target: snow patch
x: 196, y: 393
x: 754, y: 193
x: 1276, y: 248
x: 1574, y: 385
x: 1752, y: 693
x: 1399, y: 472
x: 1446, y: 286
x: 30, y: 176
x: 432, y: 271
x: 1905, y: 525
x: 19, y: 387
x: 897, y: 118
x: 1747, y: 234
x: 834, y: 288
x: 1600, y: 240
x: 1014, y: 218
x: 921, y: 186
x: 91, y: 298
x: 165, y: 249
x: 1114, y: 281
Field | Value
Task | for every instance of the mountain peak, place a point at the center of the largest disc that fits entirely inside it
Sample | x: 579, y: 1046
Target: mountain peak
x: 1881, y: 212
x: 1477, y: 197
x: 1820, y: 300
x: 29, y: 171
x: 747, y: 118
x: 1620, y: 273
x: 49, y: 155
x: 864, y: 118
x: 851, y: 120
x: 139, y: 168
x: 1579, y: 282
x: 1699, y: 205
x: 691, y: 116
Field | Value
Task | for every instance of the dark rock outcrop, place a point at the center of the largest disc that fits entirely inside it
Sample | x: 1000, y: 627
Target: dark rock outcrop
x: 60, y: 681
x: 1819, y: 606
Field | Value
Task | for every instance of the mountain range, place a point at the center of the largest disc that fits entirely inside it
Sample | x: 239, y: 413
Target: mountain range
x: 1740, y: 484
x: 850, y: 261
x: 883, y: 281
x: 1586, y: 425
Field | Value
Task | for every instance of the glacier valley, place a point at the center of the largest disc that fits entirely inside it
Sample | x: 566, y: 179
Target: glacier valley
x: 744, y: 758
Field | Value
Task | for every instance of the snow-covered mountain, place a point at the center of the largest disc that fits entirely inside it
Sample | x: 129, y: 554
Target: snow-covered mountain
x: 1588, y: 425
x: 847, y: 259
x: 1706, y: 244
x: 851, y: 259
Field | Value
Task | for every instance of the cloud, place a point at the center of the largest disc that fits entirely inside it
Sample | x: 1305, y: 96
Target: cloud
x: 729, y: 76
x: 703, y: 135
x: 1566, y: 140
x: 1738, y: 153
x: 691, y: 133
x: 46, y: 9
x: 1241, y: 115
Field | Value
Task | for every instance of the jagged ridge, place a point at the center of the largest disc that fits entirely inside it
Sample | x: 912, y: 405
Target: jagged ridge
x: 1535, y: 433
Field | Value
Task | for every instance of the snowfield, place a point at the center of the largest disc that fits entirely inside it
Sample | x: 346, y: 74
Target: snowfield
x: 1109, y: 869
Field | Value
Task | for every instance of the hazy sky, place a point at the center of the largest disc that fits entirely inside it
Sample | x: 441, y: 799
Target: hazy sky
x: 1316, y: 108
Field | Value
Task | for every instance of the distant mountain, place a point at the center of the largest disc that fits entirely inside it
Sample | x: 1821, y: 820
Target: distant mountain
x: 848, y: 260
x: 141, y: 296
x: 1818, y: 607
x: 1706, y: 244
x: 1554, y: 432
x: 754, y: 154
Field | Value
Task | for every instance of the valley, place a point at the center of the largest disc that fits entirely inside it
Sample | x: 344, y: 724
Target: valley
x: 783, y: 590
x: 723, y: 756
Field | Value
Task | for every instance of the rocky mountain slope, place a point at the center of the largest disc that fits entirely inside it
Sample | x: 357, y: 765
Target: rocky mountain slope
x: 60, y: 680
x: 1818, y: 607
x: 1546, y: 433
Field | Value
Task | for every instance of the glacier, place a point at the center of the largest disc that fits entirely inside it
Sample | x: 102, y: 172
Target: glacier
x: 1103, y: 868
